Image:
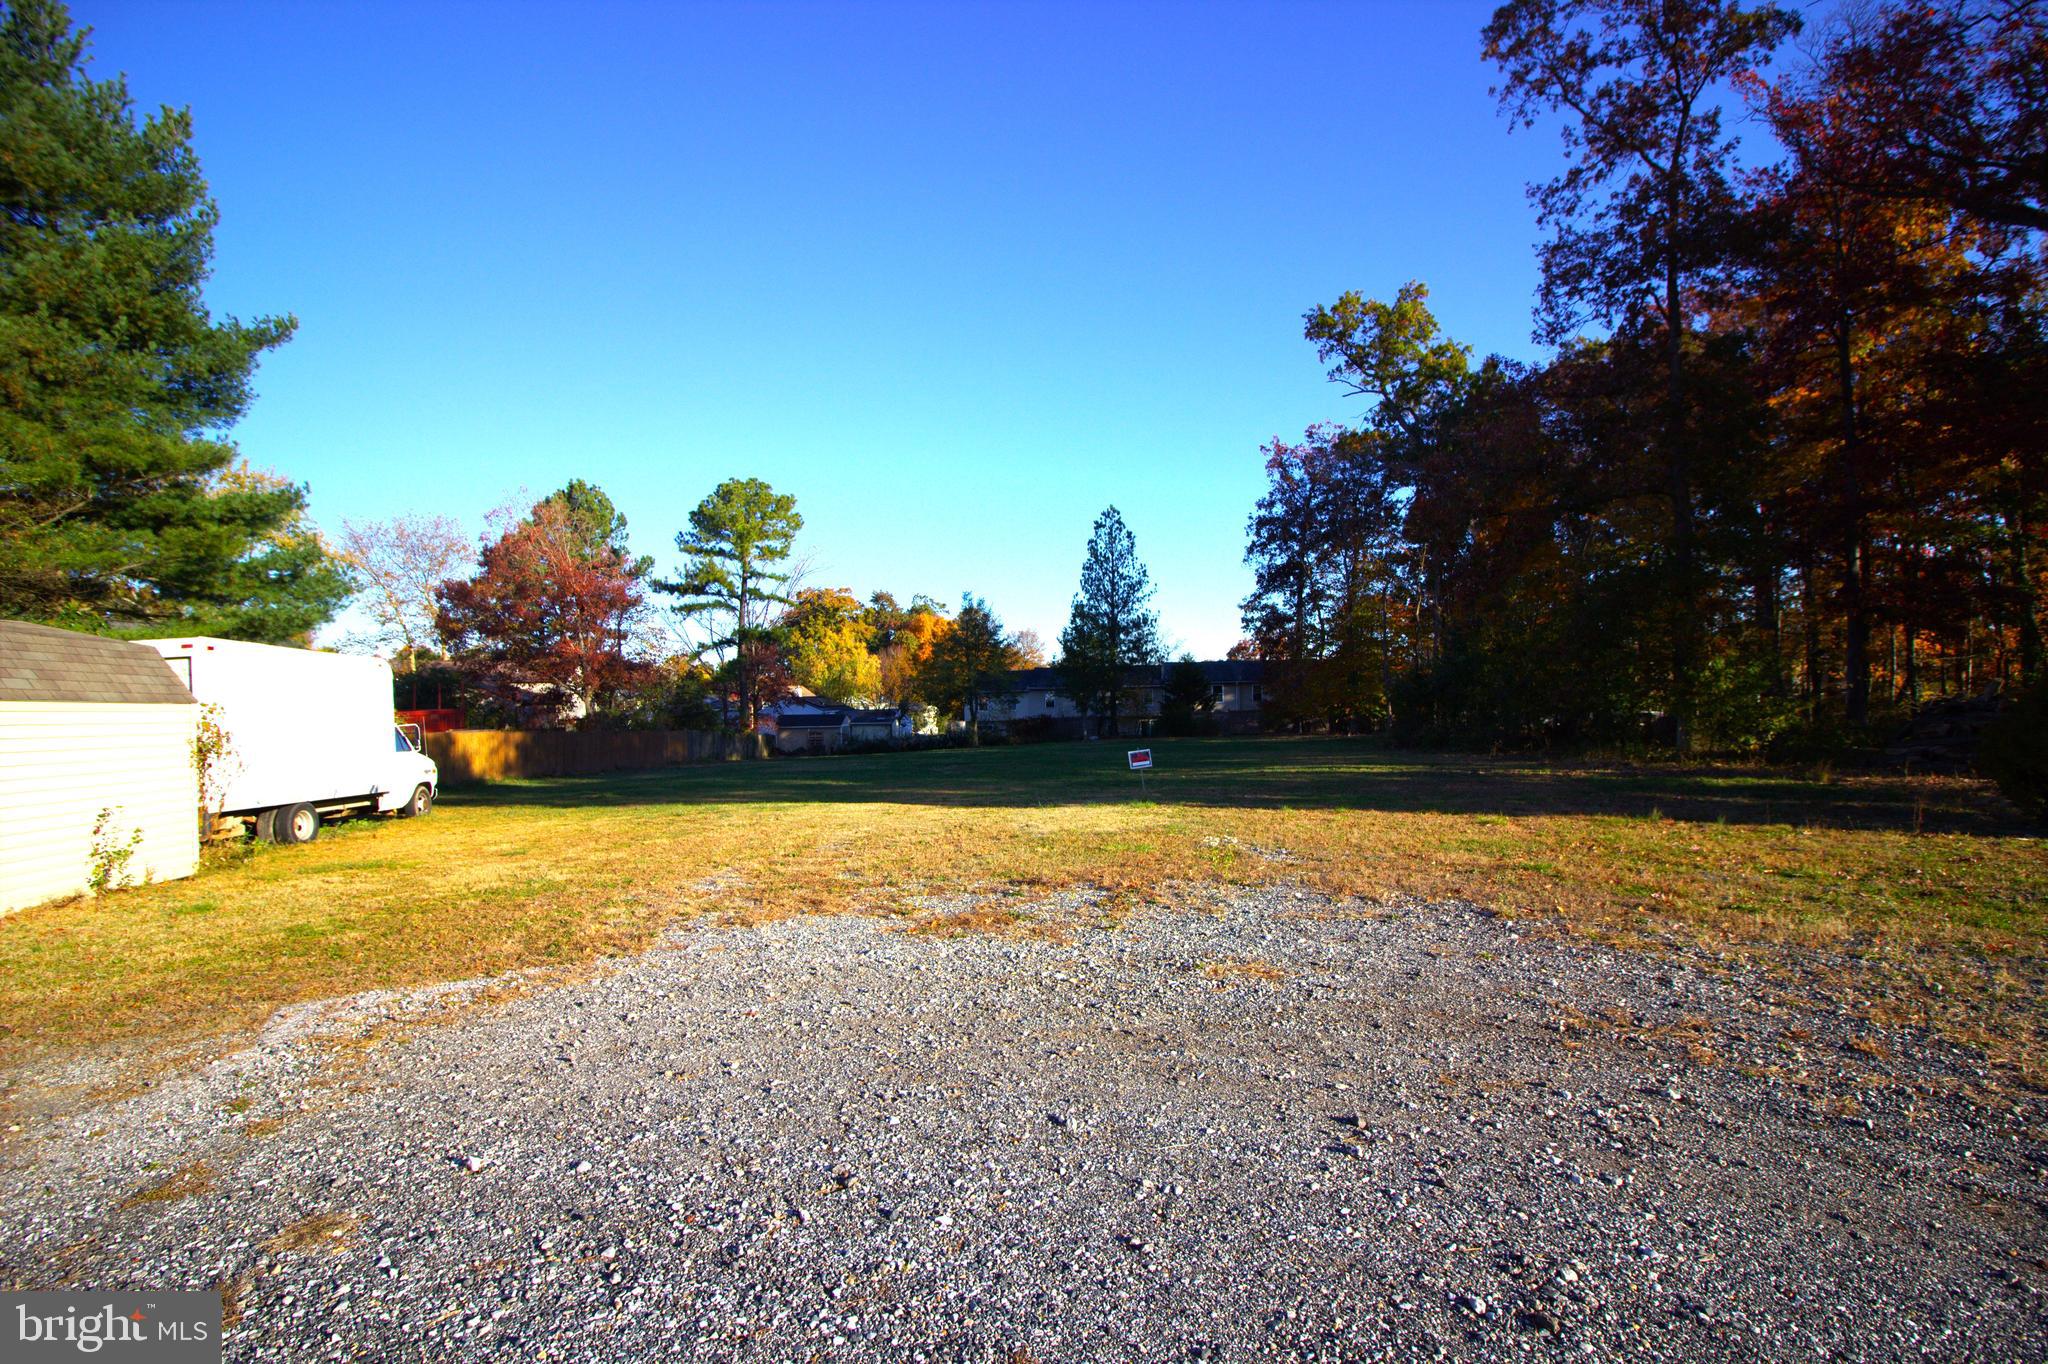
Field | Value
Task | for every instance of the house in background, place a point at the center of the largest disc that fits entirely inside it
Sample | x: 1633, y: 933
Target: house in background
x: 884, y: 726
x: 96, y: 766
x: 1236, y: 689
x: 811, y: 724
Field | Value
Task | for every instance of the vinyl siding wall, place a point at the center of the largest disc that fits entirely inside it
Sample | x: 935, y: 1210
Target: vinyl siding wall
x: 61, y: 763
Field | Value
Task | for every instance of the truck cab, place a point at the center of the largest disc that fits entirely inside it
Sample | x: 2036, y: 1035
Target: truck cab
x: 413, y: 776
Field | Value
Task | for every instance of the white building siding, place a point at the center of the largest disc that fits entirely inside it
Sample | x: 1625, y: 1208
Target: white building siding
x: 63, y: 762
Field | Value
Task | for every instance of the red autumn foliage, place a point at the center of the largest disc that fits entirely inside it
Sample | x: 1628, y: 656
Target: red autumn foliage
x: 545, y: 625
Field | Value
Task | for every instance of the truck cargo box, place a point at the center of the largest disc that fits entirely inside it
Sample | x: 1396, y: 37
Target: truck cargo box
x: 304, y: 728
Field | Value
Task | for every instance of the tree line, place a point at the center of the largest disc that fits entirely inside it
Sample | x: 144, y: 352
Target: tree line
x: 552, y: 621
x: 1782, y: 476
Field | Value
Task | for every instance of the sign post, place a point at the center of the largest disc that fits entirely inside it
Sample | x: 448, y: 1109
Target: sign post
x: 1141, y: 763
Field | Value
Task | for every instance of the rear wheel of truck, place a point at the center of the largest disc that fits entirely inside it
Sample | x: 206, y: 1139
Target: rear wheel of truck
x: 266, y: 826
x: 421, y: 802
x: 296, y: 824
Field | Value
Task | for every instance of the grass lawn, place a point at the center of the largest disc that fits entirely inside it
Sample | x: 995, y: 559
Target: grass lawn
x: 1927, y: 877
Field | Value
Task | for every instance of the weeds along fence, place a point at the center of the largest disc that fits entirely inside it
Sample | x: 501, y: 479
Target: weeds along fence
x: 477, y: 755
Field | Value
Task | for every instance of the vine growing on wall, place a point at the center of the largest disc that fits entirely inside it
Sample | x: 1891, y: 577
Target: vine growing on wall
x: 111, y: 853
x: 212, y: 761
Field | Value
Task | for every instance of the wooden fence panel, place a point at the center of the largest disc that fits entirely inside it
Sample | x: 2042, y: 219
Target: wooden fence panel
x: 466, y: 756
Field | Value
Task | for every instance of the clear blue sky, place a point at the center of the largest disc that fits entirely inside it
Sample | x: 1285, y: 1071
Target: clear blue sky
x: 956, y: 275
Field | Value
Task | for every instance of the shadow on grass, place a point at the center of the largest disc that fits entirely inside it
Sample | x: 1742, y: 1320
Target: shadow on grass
x: 1284, y: 773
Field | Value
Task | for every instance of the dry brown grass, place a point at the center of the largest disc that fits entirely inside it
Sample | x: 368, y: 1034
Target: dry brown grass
x: 1233, y: 972
x: 1001, y: 920
x: 234, y: 1298
x: 184, y: 1182
x: 327, y: 1231
x: 956, y: 923
x: 560, y: 873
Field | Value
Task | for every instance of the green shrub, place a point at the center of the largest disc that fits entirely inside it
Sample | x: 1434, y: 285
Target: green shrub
x: 1029, y: 729
x: 2014, y: 751
x: 1739, y: 708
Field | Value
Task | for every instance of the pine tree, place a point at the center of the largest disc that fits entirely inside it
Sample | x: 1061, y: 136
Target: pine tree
x: 121, y: 506
x: 737, y: 537
x: 601, y: 524
x: 1111, y: 630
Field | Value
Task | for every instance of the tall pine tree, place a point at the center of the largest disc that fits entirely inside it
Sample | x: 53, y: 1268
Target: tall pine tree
x: 121, y: 506
x: 1111, y: 629
x: 737, y: 538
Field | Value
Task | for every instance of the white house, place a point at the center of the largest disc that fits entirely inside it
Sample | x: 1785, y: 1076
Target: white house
x: 97, y: 784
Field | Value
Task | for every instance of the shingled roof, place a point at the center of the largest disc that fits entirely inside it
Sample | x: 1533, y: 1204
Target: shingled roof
x: 38, y: 663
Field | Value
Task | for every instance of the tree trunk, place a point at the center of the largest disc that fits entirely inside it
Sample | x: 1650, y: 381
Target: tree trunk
x: 739, y: 645
x: 1855, y: 541
x: 1765, y: 587
x: 1891, y: 664
x: 1809, y: 611
x: 1678, y: 486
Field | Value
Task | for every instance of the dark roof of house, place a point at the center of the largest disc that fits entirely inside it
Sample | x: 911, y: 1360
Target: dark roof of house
x: 39, y: 663
x: 829, y: 715
x: 1034, y: 679
x: 1235, y: 670
x: 820, y: 713
x: 830, y: 719
x: 1220, y: 670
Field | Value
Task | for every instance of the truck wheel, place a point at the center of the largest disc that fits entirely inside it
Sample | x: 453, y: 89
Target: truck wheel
x: 266, y: 826
x: 297, y: 824
x: 421, y: 802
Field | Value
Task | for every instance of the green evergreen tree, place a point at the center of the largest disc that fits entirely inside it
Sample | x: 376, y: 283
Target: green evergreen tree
x: 601, y: 523
x: 736, y: 539
x: 121, y: 504
x: 1186, y: 699
x: 1111, y: 629
x: 968, y: 662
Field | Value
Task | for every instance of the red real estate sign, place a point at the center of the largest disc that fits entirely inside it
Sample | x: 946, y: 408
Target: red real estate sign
x: 1141, y: 758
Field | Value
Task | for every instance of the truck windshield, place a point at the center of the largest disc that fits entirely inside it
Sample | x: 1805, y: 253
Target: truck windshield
x: 399, y: 743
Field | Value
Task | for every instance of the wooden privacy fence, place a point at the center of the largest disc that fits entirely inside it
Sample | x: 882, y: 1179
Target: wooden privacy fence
x: 473, y: 755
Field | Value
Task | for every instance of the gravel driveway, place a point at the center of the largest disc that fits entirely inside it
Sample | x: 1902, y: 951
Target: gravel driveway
x: 1262, y: 1126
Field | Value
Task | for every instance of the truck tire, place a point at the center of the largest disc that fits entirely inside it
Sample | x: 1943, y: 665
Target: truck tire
x: 421, y: 802
x: 296, y: 824
x: 266, y: 826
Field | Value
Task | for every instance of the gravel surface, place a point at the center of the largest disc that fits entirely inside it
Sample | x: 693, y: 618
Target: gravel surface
x: 1264, y: 1125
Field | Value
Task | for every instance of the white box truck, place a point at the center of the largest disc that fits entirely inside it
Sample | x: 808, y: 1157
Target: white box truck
x: 310, y: 736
